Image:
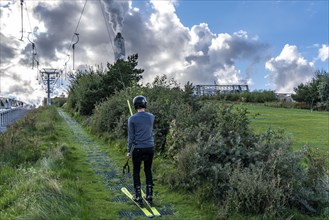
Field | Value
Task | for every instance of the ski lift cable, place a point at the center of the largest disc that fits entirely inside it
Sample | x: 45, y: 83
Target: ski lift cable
x: 22, y: 19
x: 34, y: 48
x: 106, y: 24
x: 108, y: 31
x: 76, y: 29
x: 28, y: 19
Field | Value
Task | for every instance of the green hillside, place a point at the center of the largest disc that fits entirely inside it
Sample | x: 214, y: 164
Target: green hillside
x: 303, y: 126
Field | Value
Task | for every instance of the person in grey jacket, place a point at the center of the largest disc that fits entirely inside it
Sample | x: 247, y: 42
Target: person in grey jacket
x: 141, y: 147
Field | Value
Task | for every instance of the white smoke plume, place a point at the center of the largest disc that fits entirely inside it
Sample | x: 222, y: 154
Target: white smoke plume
x: 116, y: 11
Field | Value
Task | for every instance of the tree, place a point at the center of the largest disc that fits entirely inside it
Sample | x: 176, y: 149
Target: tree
x: 314, y: 92
x: 90, y: 87
x: 121, y: 75
x: 323, y: 89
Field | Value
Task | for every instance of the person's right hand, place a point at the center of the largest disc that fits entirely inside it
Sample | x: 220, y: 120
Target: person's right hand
x: 128, y: 155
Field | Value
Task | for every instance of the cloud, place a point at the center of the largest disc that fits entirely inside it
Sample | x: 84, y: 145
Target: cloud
x: 18, y: 89
x: 166, y: 46
x: 59, y: 22
x: 7, y: 51
x: 154, y: 31
x: 324, y: 53
x: 289, y: 69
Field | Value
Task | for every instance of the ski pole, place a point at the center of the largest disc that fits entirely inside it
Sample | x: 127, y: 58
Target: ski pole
x: 131, y: 112
x: 132, y: 148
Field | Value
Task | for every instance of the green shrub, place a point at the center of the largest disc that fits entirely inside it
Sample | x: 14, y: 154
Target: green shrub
x: 111, y: 116
x: 253, y: 97
x: 247, y: 173
x: 164, y: 98
x: 58, y: 101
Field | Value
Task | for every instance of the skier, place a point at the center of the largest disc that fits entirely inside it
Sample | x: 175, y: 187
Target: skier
x: 141, y: 147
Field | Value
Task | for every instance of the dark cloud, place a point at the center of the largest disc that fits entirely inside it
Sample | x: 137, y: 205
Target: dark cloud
x: 7, y: 49
x: 26, y: 56
x: 20, y: 89
x: 8, y: 74
x: 60, y: 23
x: 6, y: 53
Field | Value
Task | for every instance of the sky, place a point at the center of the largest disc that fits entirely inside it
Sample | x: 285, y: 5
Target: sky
x: 269, y: 45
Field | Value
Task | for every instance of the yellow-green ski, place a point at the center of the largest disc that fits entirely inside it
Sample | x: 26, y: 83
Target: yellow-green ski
x: 130, y: 196
x: 153, y: 209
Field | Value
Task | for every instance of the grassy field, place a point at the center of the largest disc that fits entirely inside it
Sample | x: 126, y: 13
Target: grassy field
x: 303, y: 126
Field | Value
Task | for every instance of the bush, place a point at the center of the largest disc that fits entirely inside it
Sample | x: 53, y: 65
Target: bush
x: 250, y: 192
x: 248, y: 173
x: 164, y: 98
x: 58, y: 101
x: 253, y: 97
x: 110, y: 115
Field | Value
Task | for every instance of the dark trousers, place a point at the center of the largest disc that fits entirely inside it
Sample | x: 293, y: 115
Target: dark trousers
x: 139, y: 155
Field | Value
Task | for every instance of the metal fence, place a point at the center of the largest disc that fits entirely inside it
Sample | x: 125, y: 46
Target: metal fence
x: 8, y: 116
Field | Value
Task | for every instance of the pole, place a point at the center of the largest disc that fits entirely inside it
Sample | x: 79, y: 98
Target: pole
x: 48, y: 89
x: 73, y: 46
x: 132, y: 148
x: 131, y: 112
x: 22, y: 18
x: 49, y: 78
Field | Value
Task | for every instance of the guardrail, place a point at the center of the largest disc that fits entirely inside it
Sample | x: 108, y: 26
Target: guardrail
x: 8, y: 116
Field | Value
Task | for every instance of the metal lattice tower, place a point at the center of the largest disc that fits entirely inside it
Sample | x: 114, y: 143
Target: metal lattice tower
x: 212, y: 90
x: 49, y: 78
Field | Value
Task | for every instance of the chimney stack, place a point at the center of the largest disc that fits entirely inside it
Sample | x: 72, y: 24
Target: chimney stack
x: 119, y: 47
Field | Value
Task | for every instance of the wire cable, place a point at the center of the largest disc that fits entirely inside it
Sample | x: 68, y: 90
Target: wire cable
x: 34, y: 47
x: 76, y: 29
x: 22, y: 19
x: 108, y: 32
x: 28, y: 18
x: 106, y: 24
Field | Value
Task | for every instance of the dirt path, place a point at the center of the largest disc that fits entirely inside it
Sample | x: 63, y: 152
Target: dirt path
x: 110, y: 173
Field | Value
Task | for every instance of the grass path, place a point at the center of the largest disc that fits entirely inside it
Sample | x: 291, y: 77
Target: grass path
x: 111, y: 175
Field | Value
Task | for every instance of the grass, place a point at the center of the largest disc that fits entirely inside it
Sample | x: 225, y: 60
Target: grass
x: 45, y: 174
x: 56, y: 181
x: 303, y: 126
x: 183, y: 204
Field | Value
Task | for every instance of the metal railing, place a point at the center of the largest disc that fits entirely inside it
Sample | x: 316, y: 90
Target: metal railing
x: 8, y: 116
